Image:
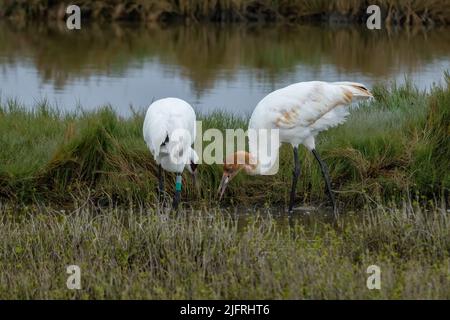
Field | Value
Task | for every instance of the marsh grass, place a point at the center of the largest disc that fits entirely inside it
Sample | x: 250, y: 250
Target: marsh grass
x: 394, y: 147
x: 147, y: 253
x: 80, y: 188
x: 405, y: 12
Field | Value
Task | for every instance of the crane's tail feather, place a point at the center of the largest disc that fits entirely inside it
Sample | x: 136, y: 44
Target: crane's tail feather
x: 358, y: 90
x: 337, y: 112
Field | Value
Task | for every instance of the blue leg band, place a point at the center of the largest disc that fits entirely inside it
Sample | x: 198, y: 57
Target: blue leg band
x: 178, y: 183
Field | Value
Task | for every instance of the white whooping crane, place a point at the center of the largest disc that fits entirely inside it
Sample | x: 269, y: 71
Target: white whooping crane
x: 169, y: 132
x: 299, y: 111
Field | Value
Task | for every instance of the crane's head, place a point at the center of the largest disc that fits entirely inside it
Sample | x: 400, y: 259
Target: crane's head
x: 234, y: 163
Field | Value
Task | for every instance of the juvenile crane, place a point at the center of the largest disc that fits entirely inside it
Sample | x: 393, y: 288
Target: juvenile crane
x: 169, y: 131
x: 299, y: 111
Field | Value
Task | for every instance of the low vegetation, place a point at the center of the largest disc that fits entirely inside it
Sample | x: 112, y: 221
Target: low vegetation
x: 394, y: 147
x: 405, y: 12
x: 212, y: 254
x: 80, y: 189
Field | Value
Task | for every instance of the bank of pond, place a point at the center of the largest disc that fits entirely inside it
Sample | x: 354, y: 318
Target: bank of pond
x: 399, y: 12
x: 394, y: 147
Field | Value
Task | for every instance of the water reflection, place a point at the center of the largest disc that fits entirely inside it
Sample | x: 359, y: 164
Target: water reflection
x: 226, y: 67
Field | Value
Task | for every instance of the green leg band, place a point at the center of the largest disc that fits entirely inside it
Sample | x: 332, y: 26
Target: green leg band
x: 178, y: 183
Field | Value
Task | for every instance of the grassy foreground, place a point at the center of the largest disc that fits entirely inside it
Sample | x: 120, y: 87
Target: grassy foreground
x: 148, y: 254
x: 406, y: 12
x: 80, y: 189
x: 395, y: 147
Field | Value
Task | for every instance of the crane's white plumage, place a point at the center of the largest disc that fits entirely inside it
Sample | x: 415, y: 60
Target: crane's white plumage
x: 301, y: 110
x: 298, y: 112
x: 169, y: 131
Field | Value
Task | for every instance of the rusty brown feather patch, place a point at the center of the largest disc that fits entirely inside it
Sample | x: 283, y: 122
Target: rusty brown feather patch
x: 287, y: 118
x: 347, y: 96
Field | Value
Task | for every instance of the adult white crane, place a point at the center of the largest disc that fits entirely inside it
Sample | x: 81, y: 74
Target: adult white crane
x: 169, y: 131
x: 299, y: 111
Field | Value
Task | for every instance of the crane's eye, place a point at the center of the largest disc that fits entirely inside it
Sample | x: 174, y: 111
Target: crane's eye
x: 194, y: 166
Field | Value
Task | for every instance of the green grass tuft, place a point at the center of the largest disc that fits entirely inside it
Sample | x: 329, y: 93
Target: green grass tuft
x: 392, y: 147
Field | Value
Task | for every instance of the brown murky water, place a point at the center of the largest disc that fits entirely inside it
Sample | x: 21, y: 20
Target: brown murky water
x: 213, y: 67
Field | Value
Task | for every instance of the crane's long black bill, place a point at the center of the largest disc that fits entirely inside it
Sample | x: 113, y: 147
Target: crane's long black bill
x: 326, y: 176
x: 295, y: 175
x: 177, y: 195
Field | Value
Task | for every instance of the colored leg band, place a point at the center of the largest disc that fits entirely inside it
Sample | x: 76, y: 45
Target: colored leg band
x: 178, y: 183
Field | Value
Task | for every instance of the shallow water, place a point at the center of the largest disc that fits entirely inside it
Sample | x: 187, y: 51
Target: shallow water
x: 213, y: 67
x: 313, y: 217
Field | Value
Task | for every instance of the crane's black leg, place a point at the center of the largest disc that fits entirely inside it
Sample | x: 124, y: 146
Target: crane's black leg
x: 295, y: 175
x: 177, y: 196
x: 161, y: 183
x: 326, y: 176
